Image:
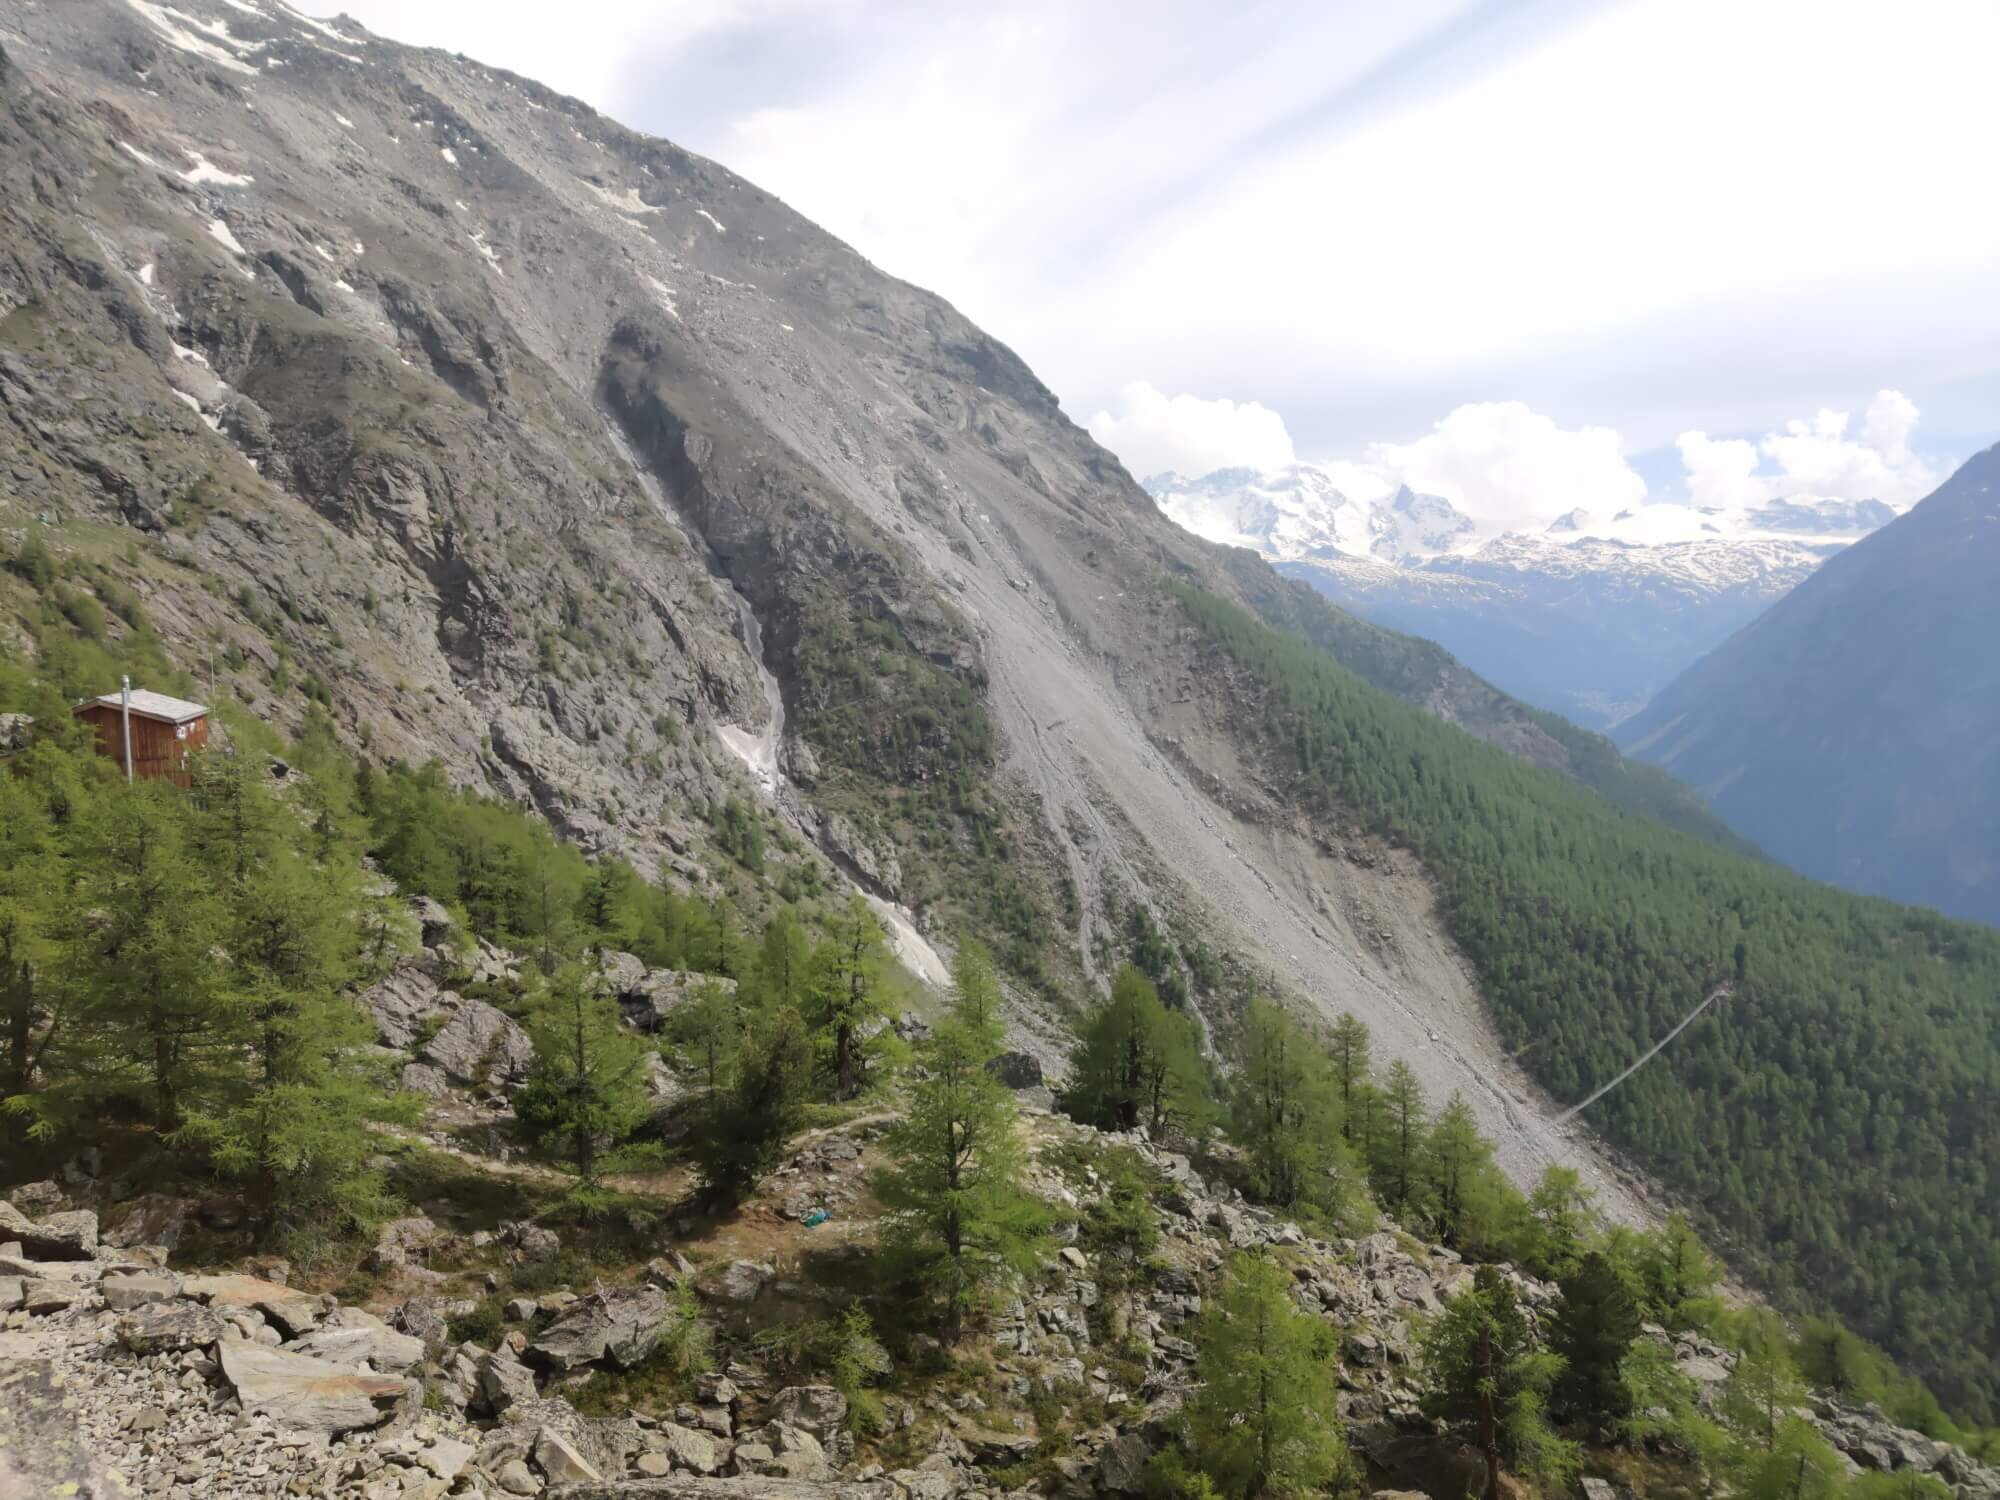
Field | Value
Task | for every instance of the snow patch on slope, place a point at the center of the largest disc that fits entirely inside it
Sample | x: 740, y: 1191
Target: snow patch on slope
x: 167, y: 22
x: 207, y: 171
x: 219, y: 232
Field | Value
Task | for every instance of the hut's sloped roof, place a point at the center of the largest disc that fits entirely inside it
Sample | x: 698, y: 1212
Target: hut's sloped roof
x: 151, y: 705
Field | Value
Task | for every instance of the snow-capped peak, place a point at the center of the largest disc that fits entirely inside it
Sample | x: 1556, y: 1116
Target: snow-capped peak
x: 1299, y: 512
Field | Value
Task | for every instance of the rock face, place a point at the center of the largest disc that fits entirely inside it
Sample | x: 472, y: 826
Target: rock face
x: 480, y: 1045
x: 303, y: 1394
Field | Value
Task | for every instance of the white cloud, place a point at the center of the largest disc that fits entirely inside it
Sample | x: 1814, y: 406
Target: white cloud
x: 1509, y: 467
x: 1503, y: 464
x: 1722, y: 471
x: 1152, y: 432
x: 1814, y: 456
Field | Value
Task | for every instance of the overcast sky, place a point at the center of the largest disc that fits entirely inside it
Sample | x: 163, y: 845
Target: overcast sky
x: 1529, y: 255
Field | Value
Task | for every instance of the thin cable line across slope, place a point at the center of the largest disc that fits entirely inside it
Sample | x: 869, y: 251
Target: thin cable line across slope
x: 1721, y: 992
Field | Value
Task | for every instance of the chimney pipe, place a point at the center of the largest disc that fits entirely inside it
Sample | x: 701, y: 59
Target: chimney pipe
x: 125, y: 700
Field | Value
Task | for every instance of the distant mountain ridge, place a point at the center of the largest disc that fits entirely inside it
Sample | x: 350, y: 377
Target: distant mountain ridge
x: 1588, y: 618
x: 1853, y: 730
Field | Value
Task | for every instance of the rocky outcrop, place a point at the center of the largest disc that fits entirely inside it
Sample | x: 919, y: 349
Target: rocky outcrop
x: 480, y: 1045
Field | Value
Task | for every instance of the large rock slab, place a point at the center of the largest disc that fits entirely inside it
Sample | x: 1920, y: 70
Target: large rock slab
x: 65, y: 1236
x: 303, y: 1394
x: 349, y: 1336
x: 128, y: 1290
x: 169, y: 1327
x: 620, y: 1327
x: 403, y: 1003
x: 291, y: 1312
x: 480, y: 1045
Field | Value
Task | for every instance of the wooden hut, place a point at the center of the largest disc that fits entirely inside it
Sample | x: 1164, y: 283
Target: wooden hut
x: 164, y: 730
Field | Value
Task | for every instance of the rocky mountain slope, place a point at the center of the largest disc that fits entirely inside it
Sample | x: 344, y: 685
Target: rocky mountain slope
x: 1853, y: 730
x: 398, y: 389
x: 1588, y: 618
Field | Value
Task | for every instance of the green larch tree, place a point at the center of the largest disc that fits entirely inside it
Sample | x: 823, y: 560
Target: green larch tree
x: 1484, y: 1374
x: 1265, y: 1420
x: 587, y: 1088
x: 959, y: 1218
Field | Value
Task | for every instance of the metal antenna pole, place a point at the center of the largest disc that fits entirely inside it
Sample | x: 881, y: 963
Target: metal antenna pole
x: 125, y: 700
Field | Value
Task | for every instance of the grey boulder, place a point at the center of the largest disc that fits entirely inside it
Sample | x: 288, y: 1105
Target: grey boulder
x: 302, y: 1394
x: 64, y: 1236
x: 402, y: 1002
x: 168, y: 1328
x: 620, y: 1327
x: 122, y: 1293
x: 350, y: 1336
x: 480, y: 1045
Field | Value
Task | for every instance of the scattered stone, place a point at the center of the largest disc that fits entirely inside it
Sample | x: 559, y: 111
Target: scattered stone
x: 399, y: 1240
x: 818, y: 1409
x: 515, y: 1478
x: 291, y: 1311
x: 689, y: 1449
x: 150, y: 1219
x: 1121, y: 1466
x: 37, y: 1197
x: 1018, y: 1070
x: 42, y: 1297
x: 504, y: 1381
